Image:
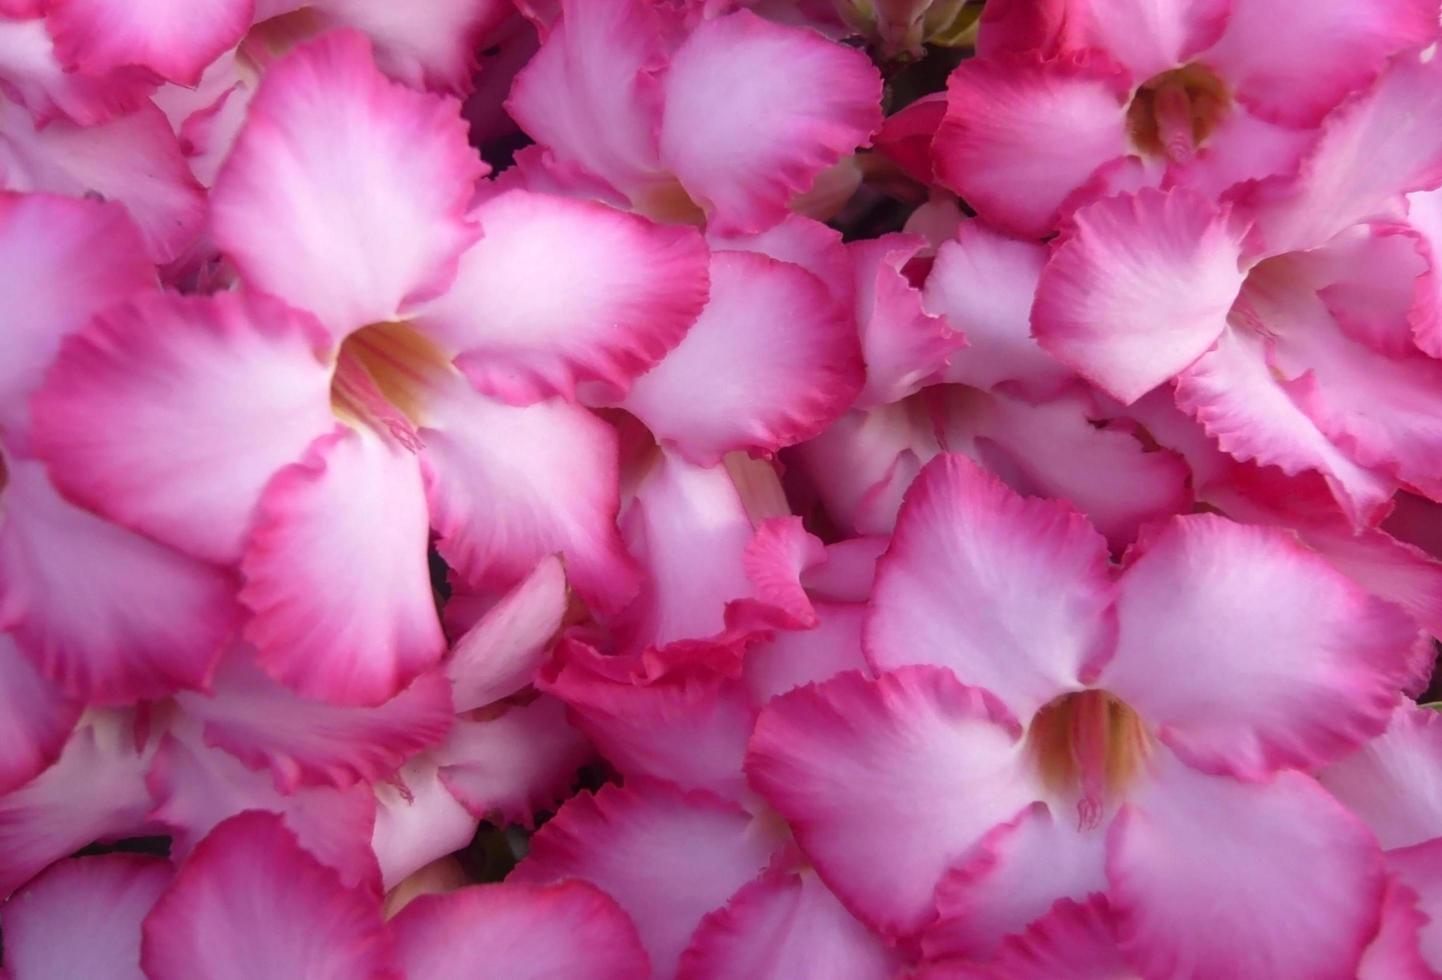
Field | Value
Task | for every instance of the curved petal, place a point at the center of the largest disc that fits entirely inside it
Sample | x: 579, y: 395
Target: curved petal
x: 1302, y: 665
x: 1170, y: 853
x: 176, y: 39
x: 35, y: 719
x: 785, y: 924
x: 1150, y: 37
x: 512, y: 766
x: 134, y: 159
x: 508, y: 486
x: 304, y: 742
x: 170, y: 413
x: 1075, y: 939
x: 521, y: 932
x: 345, y: 193
x: 1022, y: 136
x: 417, y: 821
x: 983, y: 283
x: 1420, y: 868
x: 1394, y: 781
x: 1009, y: 593
x: 914, y: 750
x: 62, y: 260
x: 196, y: 787
x: 560, y: 292
x: 1139, y: 288
x: 33, y: 76
x: 1395, y: 953
x: 109, y: 616
x: 336, y: 576
x: 795, y: 658
x: 434, y: 46
x: 1291, y: 61
x: 666, y: 857
x: 95, y: 790
x: 789, y: 354
x: 251, y: 902
x: 755, y: 110
x: 81, y: 918
x: 501, y: 653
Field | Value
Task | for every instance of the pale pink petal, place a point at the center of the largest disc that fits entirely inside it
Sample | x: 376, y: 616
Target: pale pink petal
x: 500, y: 653
x: 913, y: 750
x: 1171, y: 853
x: 1242, y: 148
x: 848, y: 572
x: 1011, y: 594
x: 1149, y: 37
x: 63, y: 260
x: 592, y: 97
x: 1394, y: 781
x: 95, y: 790
x: 417, y: 821
x: 509, y: 486
x: 35, y: 718
x: 1420, y: 868
x: 688, y: 726
x: 1292, y: 60
x: 82, y: 917
x: 336, y: 576
x: 511, y: 767
x: 793, y: 658
x: 1139, y: 288
x: 250, y: 901
x: 754, y: 111
x: 1233, y: 392
x: 1301, y: 664
x: 560, y: 292
x: 1019, y: 873
x: 169, y: 414
x: 1023, y: 136
x: 134, y: 159
x: 1424, y: 217
x: 109, y: 616
x: 1370, y: 151
x: 802, y: 241
x: 861, y: 465
x: 903, y: 345
x: 345, y: 192
x: 789, y: 356
x: 1074, y: 939
x: 196, y: 787
x: 176, y: 39
x: 430, y: 46
x: 521, y: 932
x: 1395, y: 953
x: 665, y: 856
x: 785, y: 924
x: 304, y: 742
x: 31, y: 74
x: 983, y: 283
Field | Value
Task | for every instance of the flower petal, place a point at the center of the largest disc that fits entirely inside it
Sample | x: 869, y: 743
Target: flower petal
x: 417, y: 821
x: 250, y: 901
x: 1302, y: 665
x: 1023, y: 136
x: 434, y: 46
x: 560, y: 292
x: 1394, y: 781
x: 1169, y: 856
x: 336, y: 575
x: 35, y: 719
x: 1395, y: 953
x: 1074, y: 939
x: 170, y: 413
x: 785, y: 924
x: 756, y: 110
x: 35, y: 78
x: 509, y: 486
x: 176, y: 39
x: 914, y: 750
x: 345, y: 192
x: 303, y: 742
x: 1011, y: 594
x: 666, y: 857
x: 81, y: 918
x: 789, y: 356
x: 1139, y: 288
x: 109, y: 616
x: 521, y: 932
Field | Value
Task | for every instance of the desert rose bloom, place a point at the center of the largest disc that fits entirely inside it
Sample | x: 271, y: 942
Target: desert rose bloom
x: 1296, y: 321
x: 1071, y: 98
x: 406, y: 383
x: 1042, y: 726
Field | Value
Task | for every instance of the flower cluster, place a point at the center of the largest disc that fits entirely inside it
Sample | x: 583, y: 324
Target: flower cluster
x: 720, y: 489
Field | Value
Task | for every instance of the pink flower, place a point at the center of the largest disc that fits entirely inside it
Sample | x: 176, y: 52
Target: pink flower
x: 1040, y: 727
x: 1073, y: 99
